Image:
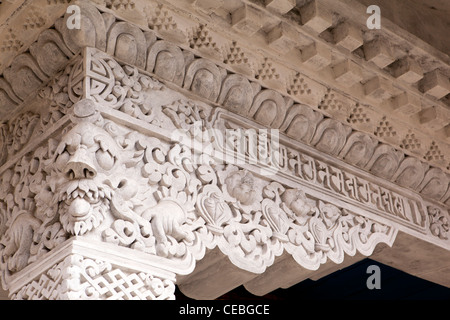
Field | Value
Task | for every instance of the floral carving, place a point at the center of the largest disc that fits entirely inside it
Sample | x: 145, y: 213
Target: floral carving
x: 112, y: 183
x: 241, y: 186
x: 296, y: 204
x: 15, y: 244
x: 439, y: 223
x: 79, y: 278
x: 121, y: 87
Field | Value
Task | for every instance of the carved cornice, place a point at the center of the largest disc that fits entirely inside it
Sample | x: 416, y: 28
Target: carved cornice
x: 106, y: 182
x: 378, y: 100
x: 111, y: 143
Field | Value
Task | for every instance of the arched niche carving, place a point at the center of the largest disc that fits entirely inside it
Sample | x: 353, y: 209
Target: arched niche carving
x: 330, y: 136
x: 410, y: 173
x: 167, y: 61
x: 127, y: 43
x: 435, y: 184
x: 236, y: 94
x: 203, y: 78
x: 8, y: 99
x: 385, y: 161
x: 301, y: 122
x: 268, y: 108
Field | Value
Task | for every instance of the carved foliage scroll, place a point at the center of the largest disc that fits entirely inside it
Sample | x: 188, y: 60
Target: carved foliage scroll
x: 114, y: 184
x: 140, y: 48
x: 79, y: 278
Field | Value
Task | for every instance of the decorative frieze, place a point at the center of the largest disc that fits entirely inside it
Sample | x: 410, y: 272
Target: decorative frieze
x: 205, y: 80
x: 167, y: 152
x: 105, y: 182
x: 100, y: 273
x: 77, y: 278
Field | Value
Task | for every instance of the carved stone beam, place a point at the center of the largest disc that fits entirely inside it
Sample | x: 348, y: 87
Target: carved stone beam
x: 125, y: 162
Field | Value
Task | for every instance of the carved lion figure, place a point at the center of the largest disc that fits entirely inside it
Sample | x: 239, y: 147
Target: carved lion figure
x: 97, y: 178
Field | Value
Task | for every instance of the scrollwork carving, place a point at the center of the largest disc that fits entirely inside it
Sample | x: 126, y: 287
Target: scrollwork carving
x: 325, y: 231
x: 213, y: 208
x: 167, y: 61
x: 108, y: 182
x: 115, y: 184
x: 123, y: 88
x: 439, y: 222
x: 80, y: 278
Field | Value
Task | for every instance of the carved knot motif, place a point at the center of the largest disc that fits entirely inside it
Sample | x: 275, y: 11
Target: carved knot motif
x: 108, y: 182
